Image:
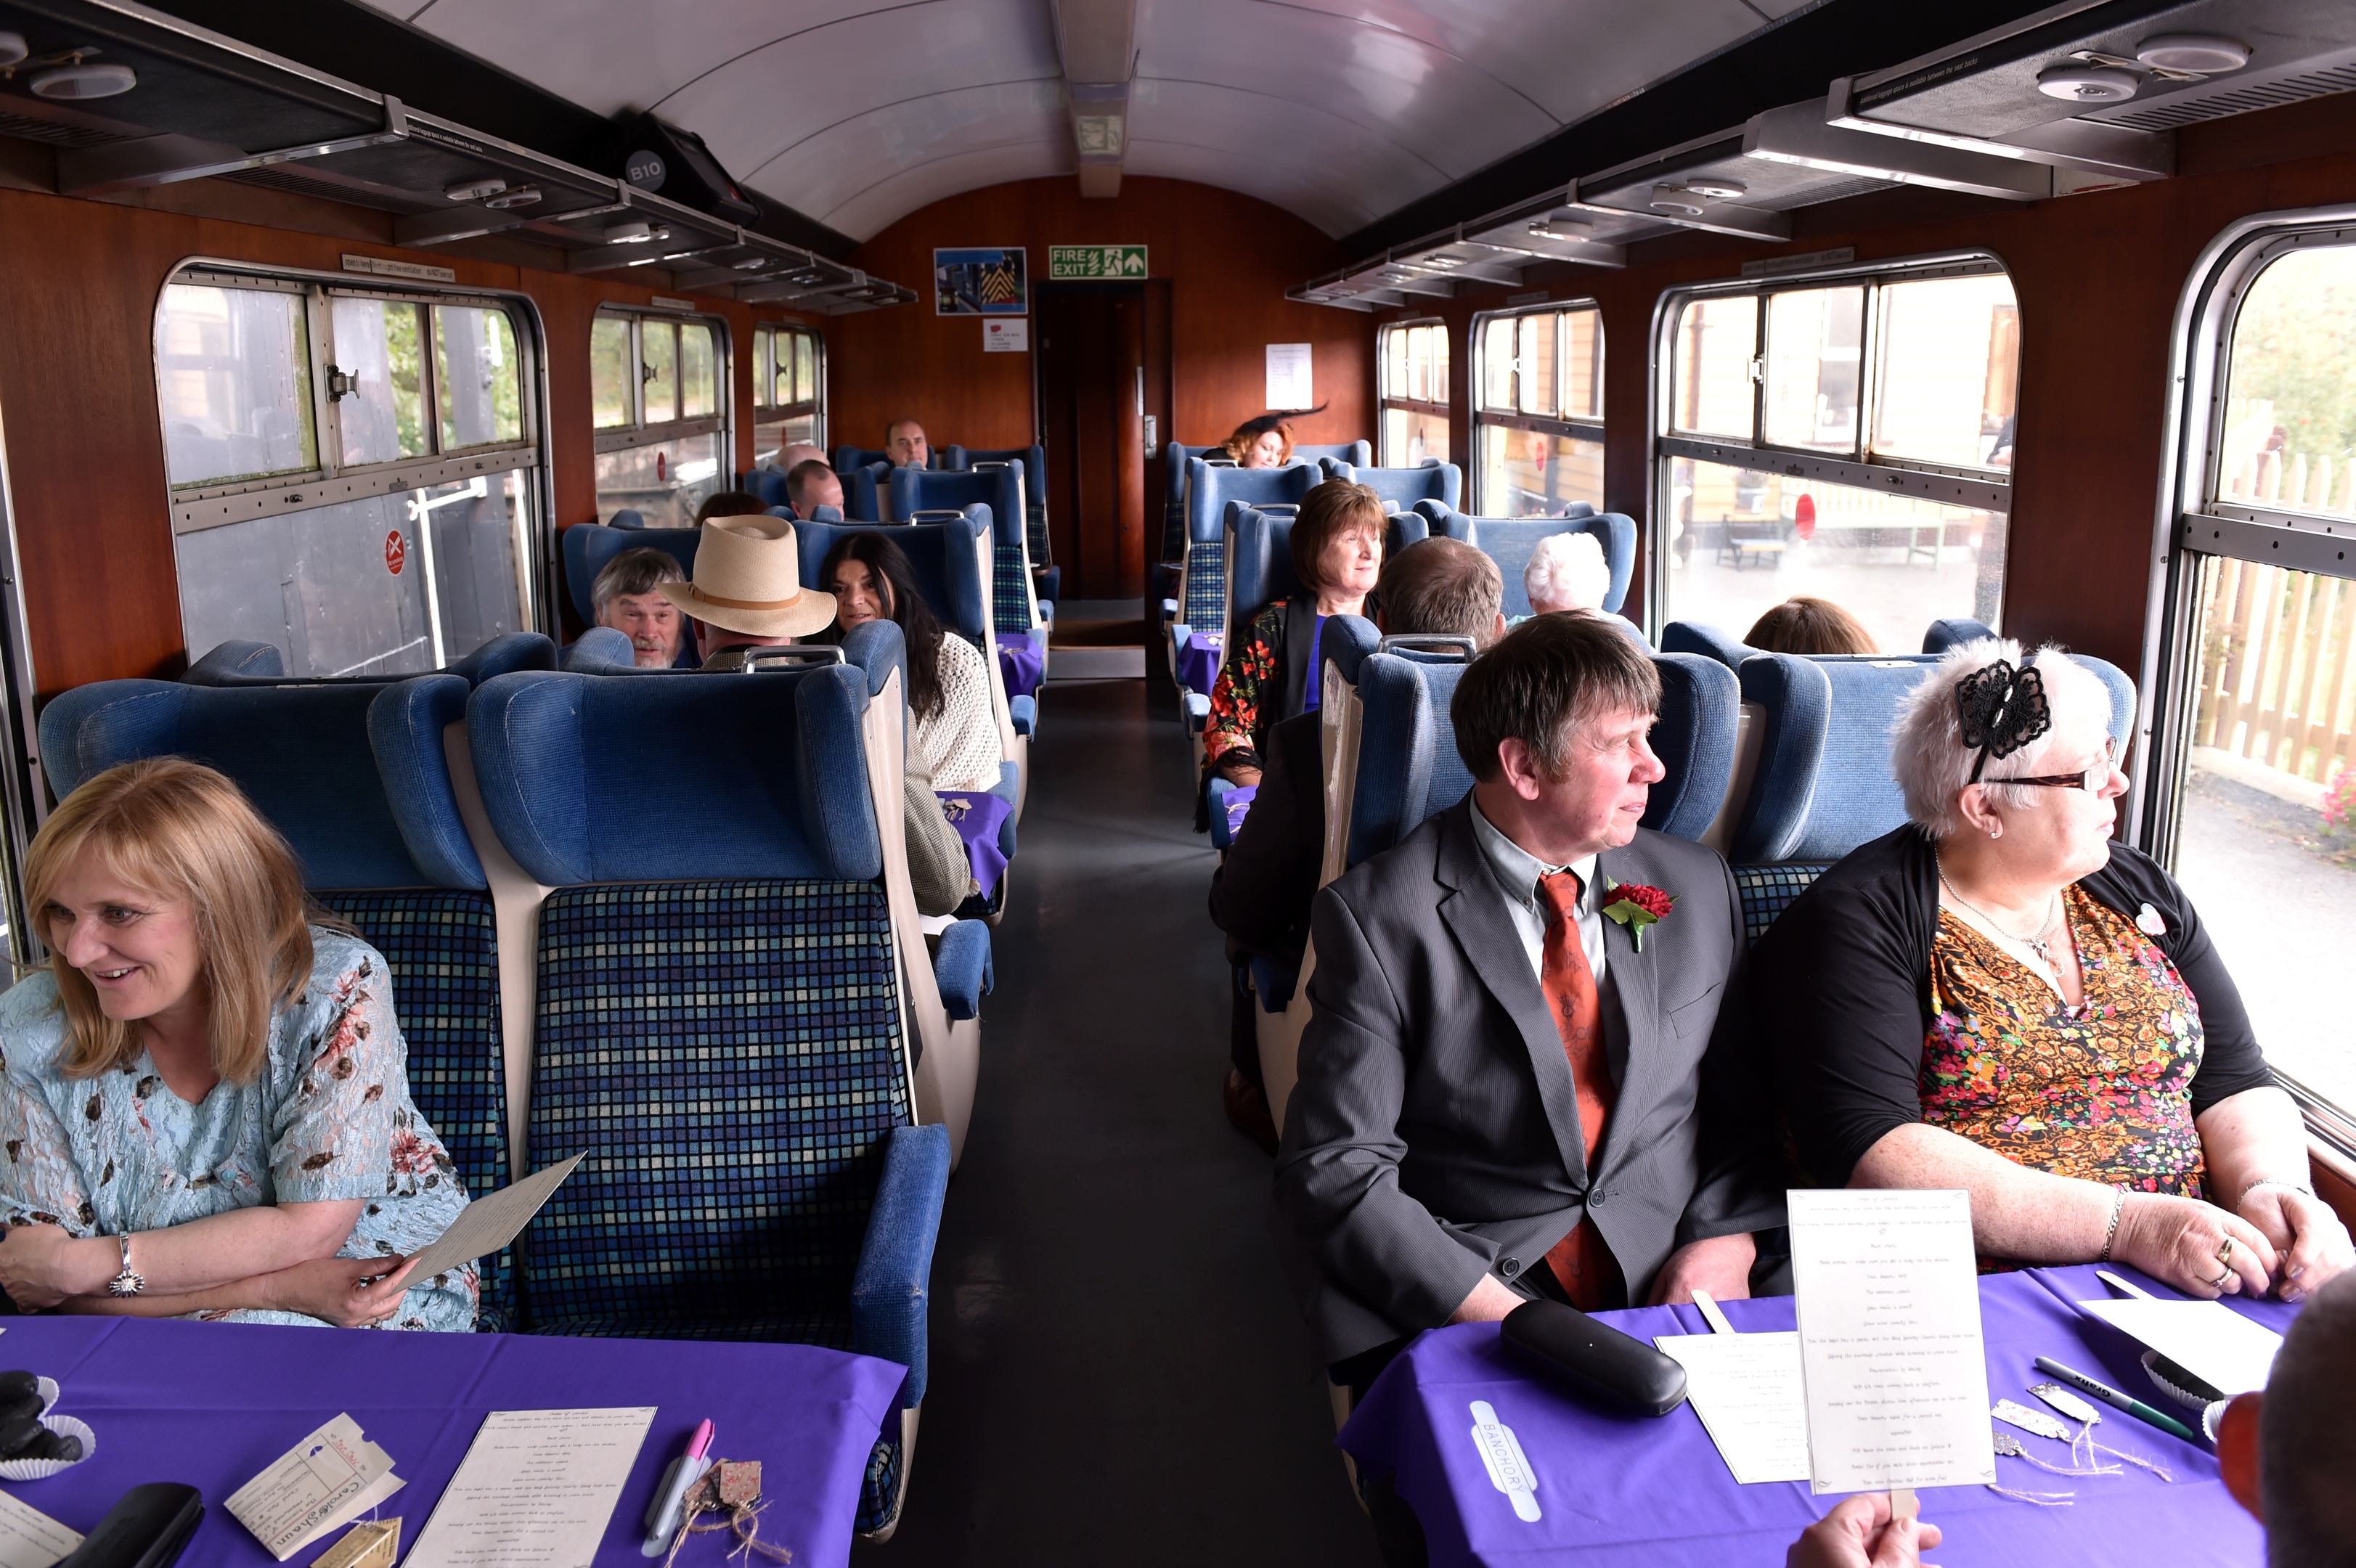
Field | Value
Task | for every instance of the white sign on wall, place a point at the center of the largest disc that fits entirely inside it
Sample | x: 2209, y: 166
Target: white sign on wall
x: 1006, y: 335
x: 1289, y: 379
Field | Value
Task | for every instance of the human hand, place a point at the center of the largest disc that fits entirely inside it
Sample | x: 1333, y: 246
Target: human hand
x: 2181, y: 1241
x: 350, y: 1293
x: 1720, y: 1265
x: 40, y: 1265
x: 2312, y: 1243
x: 1859, y: 1533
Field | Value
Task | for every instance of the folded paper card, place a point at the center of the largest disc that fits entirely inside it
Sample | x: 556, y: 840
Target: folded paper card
x: 486, y: 1225
x: 1746, y: 1389
x: 328, y: 1479
x: 2207, y: 1339
x: 31, y: 1539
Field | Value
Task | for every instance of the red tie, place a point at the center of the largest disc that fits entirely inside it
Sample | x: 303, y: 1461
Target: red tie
x: 1588, y: 1273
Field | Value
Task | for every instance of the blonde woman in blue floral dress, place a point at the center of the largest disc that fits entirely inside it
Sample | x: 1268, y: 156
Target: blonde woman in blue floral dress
x: 203, y: 1103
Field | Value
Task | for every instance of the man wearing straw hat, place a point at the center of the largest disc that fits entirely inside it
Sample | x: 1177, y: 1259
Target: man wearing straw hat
x: 747, y: 595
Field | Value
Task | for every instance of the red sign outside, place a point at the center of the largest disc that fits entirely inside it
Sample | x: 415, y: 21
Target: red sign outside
x: 396, y: 550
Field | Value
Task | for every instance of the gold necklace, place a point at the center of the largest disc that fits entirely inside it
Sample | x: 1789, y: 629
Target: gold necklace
x: 2038, y: 944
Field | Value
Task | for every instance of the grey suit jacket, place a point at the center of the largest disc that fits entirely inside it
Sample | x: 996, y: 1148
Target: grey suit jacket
x: 1434, y: 1132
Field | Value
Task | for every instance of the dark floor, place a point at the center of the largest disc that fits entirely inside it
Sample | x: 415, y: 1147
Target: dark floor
x: 1117, y: 1373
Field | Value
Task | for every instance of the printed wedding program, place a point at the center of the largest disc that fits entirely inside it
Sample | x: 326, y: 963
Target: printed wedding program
x: 536, y: 1489
x: 1892, y: 1361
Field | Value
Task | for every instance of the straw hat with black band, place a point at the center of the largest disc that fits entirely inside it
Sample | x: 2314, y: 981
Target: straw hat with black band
x: 748, y: 579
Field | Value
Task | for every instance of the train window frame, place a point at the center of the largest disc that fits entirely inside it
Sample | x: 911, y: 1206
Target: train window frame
x: 640, y: 431
x: 1977, y: 486
x: 1509, y: 415
x: 1390, y: 398
x: 773, y: 414
x: 2199, y: 528
x: 199, y: 507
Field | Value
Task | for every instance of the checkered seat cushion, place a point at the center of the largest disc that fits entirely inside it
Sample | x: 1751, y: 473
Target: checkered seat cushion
x: 1009, y: 586
x: 1206, y: 609
x: 443, y: 950
x: 1768, y: 891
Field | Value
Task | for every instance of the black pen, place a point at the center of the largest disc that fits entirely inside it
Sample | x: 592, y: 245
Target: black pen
x: 2117, y: 1399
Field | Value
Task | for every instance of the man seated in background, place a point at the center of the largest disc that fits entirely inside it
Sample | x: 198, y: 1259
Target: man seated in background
x: 1495, y: 1048
x: 1567, y: 572
x: 627, y: 596
x: 794, y: 455
x: 728, y: 504
x: 904, y: 445
x: 1261, y: 893
x: 747, y: 595
x: 812, y: 485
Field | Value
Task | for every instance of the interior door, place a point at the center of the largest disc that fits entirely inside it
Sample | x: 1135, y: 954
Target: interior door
x: 1096, y: 387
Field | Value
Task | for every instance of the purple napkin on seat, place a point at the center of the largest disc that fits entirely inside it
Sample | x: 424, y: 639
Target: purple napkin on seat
x: 977, y: 816
x: 1022, y: 661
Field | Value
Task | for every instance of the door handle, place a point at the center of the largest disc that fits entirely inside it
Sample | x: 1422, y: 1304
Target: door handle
x: 1140, y: 391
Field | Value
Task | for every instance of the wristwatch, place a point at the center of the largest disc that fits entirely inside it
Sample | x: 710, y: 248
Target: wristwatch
x: 128, y: 1282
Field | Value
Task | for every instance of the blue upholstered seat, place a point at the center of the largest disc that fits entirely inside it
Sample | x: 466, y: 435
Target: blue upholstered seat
x: 1953, y: 632
x: 1202, y: 583
x: 1033, y: 462
x: 847, y: 458
x: 1356, y: 453
x: 1511, y: 541
x: 767, y: 485
x: 1403, y: 487
x: 1766, y: 891
x: 589, y: 548
x: 719, y: 1019
x: 1259, y: 568
x: 1408, y: 766
x: 355, y: 776
x: 997, y: 492
x: 1710, y: 642
x: 1695, y: 737
x: 264, y: 663
x: 944, y: 554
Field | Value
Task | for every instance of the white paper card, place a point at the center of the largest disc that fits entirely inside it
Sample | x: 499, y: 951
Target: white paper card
x: 1891, y: 1361
x: 29, y: 1538
x: 2207, y: 1339
x: 486, y: 1225
x: 1006, y: 335
x: 1746, y: 1389
x: 1509, y: 1468
x: 536, y: 1489
x: 328, y: 1479
x: 1289, y: 383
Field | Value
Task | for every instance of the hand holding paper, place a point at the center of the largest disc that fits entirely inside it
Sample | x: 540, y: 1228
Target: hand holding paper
x: 486, y: 1225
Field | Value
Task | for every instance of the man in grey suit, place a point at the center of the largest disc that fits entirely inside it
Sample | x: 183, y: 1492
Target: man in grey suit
x: 1444, y: 1158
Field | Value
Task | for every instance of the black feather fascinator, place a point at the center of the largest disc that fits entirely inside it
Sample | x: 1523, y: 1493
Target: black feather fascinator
x: 2002, y: 710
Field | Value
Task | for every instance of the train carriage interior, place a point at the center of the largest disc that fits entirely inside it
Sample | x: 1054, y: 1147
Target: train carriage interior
x: 1115, y: 460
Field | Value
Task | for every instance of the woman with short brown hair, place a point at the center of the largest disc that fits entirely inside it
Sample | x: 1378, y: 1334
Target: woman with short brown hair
x: 204, y: 1098
x: 1802, y: 625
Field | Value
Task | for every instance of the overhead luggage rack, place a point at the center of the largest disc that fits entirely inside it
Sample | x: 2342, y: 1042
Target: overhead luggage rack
x: 205, y: 106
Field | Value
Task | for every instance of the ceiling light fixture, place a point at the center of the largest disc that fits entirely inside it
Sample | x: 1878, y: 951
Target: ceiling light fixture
x: 74, y: 82
x: 629, y: 233
x: 2207, y: 54
x: 2087, y: 83
x: 522, y: 195
x: 1715, y: 186
x: 474, y: 191
x: 1675, y: 201
x: 1562, y: 228
x: 12, y: 48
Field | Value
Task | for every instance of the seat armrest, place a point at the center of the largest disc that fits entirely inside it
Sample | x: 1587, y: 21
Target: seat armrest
x: 1024, y: 710
x: 1198, y: 710
x: 1009, y: 787
x: 962, y: 969
x: 1047, y: 614
x: 895, y: 1261
x: 1273, y: 981
x: 1169, y: 610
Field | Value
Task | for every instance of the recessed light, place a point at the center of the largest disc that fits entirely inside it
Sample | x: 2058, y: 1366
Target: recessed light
x: 1717, y: 185
x: 1675, y: 201
x: 522, y: 195
x: 1562, y: 228
x: 2206, y: 54
x: 629, y: 233
x: 78, y: 81
x: 2087, y: 83
x: 754, y: 265
x: 12, y: 48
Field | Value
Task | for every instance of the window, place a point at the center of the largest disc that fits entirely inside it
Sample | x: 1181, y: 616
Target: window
x: 1849, y: 438
x: 2251, y: 782
x: 352, y: 471
x: 655, y: 386
x: 1538, y: 426
x: 789, y: 390
x: 1415, y: 393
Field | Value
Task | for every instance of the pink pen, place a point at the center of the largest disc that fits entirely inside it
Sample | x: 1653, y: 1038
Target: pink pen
x: 662, y: 1521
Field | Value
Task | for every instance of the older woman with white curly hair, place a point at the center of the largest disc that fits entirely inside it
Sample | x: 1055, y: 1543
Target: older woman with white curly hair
x: 1999, y: 996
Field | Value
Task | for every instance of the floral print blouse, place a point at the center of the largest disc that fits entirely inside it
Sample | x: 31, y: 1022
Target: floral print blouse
x: 328, y: 1117
x: 1249, y: 689
x: 2102, y: 1091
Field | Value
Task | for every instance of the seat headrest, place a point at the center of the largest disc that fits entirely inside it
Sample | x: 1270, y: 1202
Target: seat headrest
x: 916, y: 490
x: 235, y: 661
x: 944, y: 555
x: 766, y: 485
x: 1694, y: 735
x: 314, y: 761
x: 504, y: 655
x: 880, y: 650
x: 1347, y: 643
x: 777, y: 768
x: 589, y: 548
x: 1953, y: 632
x: 262, y: 664
x: 1511, y: 541
x: 1710, y: 642
x: 1408, y: 767
x: 627, y: 517
x: 602, y: 651
x: 1210, y: 487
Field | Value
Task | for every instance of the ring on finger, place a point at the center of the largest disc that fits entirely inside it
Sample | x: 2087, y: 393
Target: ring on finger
x: 2221, y: 1281
x: 2225, y: 1254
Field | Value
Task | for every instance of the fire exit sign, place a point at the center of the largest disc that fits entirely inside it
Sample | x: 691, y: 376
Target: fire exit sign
x: 1095, y: 261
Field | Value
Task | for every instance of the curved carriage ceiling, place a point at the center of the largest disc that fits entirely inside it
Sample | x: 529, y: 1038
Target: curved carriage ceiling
x: 856, y: 113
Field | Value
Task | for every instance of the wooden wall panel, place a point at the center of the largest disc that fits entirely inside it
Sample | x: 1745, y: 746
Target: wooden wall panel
x: 2098, y: 275
x: 1230, y: 259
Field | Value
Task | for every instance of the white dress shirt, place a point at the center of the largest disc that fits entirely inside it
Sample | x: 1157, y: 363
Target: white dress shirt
x: 1518, y: 871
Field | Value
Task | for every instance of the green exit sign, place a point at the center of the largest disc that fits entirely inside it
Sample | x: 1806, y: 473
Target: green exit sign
x: 1095, y: 261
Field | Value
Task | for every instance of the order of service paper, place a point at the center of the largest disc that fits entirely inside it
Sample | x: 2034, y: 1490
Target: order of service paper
x: 486, y: 1225
x: 536, y: 1489
x: 29, y: 1538
x: 1746, y: 1389
x: 1891, y: 1361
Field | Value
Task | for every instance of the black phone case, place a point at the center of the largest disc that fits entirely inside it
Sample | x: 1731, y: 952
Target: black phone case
x: 1595, y: 1359
x: 146, y: 1528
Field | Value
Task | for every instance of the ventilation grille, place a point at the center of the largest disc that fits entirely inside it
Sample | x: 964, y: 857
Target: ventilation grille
x: 70, y: 136
x: 277, y: 177
x: 2240, y: 99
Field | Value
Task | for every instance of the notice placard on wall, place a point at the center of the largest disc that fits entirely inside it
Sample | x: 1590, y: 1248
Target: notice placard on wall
x: 1012, y: 335
x: 980, y: 281
x: 1289, y: 379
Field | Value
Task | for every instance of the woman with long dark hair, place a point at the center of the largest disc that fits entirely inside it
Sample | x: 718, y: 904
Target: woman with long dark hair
x: 948, y: 683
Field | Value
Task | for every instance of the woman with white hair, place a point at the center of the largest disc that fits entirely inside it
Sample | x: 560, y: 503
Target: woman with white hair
x: 1997, y: 997
x: 1567, y: 572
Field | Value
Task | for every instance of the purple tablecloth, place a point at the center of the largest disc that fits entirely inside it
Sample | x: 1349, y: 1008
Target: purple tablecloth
x: 212, y: 1404
x: 1198, y: 660
x: 1022, y: 661
x: 1632, y: 1490
x: 977, y: 817
x: 1238, y: 804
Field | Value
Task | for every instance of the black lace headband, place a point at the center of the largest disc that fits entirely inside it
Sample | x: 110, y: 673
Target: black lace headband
x: 2002, y: 710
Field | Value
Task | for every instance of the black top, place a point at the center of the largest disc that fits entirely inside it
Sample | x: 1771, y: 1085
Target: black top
x: 1841, y: 994
x: 1261, y: 893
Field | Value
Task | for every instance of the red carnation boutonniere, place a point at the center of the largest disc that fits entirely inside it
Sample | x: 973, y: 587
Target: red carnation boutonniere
x: 1636, y: 906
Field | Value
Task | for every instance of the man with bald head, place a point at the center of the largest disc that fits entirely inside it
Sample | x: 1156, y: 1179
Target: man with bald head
x: 793, y: 457
x: 904, y: 445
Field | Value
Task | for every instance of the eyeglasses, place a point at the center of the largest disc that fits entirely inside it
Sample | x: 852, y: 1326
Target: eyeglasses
x: 2092, y: 780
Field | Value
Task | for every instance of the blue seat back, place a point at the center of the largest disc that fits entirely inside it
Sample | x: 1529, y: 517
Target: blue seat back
x: 1403, y: 487
x: 718, y: 1016
x: 1175, y: 460
x: 767, y: 485
x: 1953, y: 632
x: 626, y: 517
x: 1261, y: 569
x: 264, y: 663
x: 1695, y: 737
x: 995, y: 494
x: 1710, y: 642
x: 1446, y: 520
x: 589, y: 548
x: 1408, y: 768
x: 944, y: 555
x: 1356, y: 453
x: 1210, y: 489
x: 1511, y: 541
x: 847, y: 458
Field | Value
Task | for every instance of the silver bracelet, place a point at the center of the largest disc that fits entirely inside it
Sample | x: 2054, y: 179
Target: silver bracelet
x: 2272, y: 1181
x: 2111, y: 1233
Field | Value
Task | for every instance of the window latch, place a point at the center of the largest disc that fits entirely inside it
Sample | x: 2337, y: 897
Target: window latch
x: 647, y: 373
x: 341, y: 384
x: 1758, y: 369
